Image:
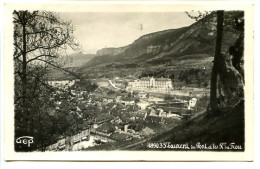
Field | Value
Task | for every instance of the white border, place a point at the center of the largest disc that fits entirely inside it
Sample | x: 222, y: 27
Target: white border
x: 179, y: 156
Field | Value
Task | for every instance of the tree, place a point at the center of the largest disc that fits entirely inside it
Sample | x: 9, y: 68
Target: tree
x: 137, y: 99
x: 172, y: 77
x: 227, y: 65
x: 41, y: 39
x: 167, y: 97
x: 214, y: 73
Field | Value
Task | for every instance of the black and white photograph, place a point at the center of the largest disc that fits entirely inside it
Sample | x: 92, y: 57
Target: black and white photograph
x: 128, y: 78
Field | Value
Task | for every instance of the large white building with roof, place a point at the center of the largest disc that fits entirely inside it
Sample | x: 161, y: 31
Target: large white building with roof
x: 151, y: 83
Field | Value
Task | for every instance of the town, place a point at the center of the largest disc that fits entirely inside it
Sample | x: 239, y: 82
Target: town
x: 120, y: 109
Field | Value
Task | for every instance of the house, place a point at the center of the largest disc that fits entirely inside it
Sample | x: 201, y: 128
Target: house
x: 118, y: 99
x: 106, y: 128
x: 81, y: 107
x: 108, y: 99
x: 154, y: 119
x: 126, y: 102
x: 151, y: 111
x: 121, y: 136
x: 132, y: 118
x: 66, y: 106
x: 143, y: 104
x: 117, y: 120
x: 61, y: 83
x: 81, y: 136
x: 76, y: 138
x: 141, y: 114
x: 120, y: 106
x: 119, y: 128
x: 52, y: 147
x: 101, y: 120
x: 73, y: 92
x: 192, y: 103
x: 61, y: 143
x: 111, y: 105
x: 142, y: 95
x: 147, y: 131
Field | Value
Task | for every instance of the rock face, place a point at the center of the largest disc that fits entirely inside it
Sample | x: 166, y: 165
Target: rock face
x: 153, y: 49
x: 111, y: 51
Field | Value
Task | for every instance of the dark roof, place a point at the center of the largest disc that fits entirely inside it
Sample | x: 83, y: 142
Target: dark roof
x: 142, y: 111
x: 106, y: 128
x: 145, y: 78
x: 82, y: 106
x: 162, y: 79
x: 119, y: 136
x: 110, y: 96
x: 120, y: 106
x: 173, y: 109
x: 84, y: 125
x: 65, y: 105
x: 127, y: 99
x: 104, y: 117
x: 110, y: 105
x: 156, y: 79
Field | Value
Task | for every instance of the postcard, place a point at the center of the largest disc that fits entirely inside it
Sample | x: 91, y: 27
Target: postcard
x: 128, y: 82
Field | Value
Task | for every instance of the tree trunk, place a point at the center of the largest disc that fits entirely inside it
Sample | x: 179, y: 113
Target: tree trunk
x: 214, y: 73
x: 24, y: 81
x: 232, y: 80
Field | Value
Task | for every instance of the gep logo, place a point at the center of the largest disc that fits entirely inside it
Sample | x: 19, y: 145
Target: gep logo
x: 27, y: 140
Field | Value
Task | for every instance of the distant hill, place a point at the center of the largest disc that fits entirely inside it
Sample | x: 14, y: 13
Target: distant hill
x: 195, y: 40
x: 78, y: 59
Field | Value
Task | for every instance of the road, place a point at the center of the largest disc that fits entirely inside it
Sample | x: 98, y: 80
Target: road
x: 113, y: 85
x: 134, y: 144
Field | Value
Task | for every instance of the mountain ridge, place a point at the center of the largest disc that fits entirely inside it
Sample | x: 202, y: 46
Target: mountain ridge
x: 196, y: 39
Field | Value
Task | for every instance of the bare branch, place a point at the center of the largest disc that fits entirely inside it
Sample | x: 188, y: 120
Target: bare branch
x: 37, y: 57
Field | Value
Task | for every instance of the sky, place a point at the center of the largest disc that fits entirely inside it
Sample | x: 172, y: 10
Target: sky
x: 97, y: 30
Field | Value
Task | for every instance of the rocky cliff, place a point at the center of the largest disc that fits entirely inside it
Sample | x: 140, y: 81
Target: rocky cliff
x: 111, y: 51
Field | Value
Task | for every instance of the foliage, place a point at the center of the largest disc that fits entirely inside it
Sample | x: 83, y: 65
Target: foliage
x: 40, y: 41
x: 85, y: 84
x: 168, y: 97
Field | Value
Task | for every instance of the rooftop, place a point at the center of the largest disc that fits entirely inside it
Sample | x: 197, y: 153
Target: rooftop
x: 119, y: 136
x: 156, y: 79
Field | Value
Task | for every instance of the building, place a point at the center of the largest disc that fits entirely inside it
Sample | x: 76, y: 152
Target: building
x: 192, y: 103
x: 83, y: 135
x: 142, y: 95
x: 121, y: 136
x: 61, y: 83
x: 151, y: 83
x: 143, y: 104
x: 62, y: 144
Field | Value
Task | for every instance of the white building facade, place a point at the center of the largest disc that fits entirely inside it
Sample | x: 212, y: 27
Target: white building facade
x: 151, y: 83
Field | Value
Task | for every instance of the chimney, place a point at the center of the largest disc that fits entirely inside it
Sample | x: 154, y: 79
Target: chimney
x: 125, y: 128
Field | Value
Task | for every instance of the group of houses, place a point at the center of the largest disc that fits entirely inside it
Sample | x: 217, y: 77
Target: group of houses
x: 62, y: 84
x: 132, y: 110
